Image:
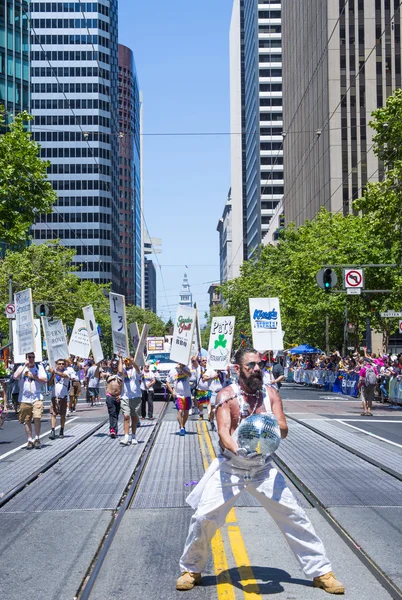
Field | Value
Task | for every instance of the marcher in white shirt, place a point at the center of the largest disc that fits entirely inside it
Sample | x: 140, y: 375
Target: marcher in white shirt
x: 60, y: 382
x: 147, y: 392
x: 33, y: 377
x: 130, y: 400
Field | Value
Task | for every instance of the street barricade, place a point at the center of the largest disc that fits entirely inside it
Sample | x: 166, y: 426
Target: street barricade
x: 332, y: 381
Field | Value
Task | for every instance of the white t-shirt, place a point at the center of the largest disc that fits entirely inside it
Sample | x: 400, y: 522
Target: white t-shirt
x: 93, y: 382
x: 131, y: 384
x: 216, y: 384
x: 146, y: 379
x: 61, y: 386
x: 267, y: 377
x: 180, y: 383
x: 205, y: 385
x: 30, y: 389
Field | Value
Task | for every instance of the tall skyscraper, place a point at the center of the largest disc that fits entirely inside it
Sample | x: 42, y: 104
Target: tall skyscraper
x: 341, y: 61
x: 14, y: 56
x: 224, y: 229
x: 256, y: 121
x: 150, y: 284
x: 130, y: 177
x: 75, y: 104
x: 186, y: 297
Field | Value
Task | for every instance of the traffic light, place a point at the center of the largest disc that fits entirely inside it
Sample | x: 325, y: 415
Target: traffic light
x: 327, y: 278
x: 42, y: 310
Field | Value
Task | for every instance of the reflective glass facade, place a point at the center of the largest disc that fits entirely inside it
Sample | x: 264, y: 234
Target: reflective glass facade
x: 14, y: 56
x: 75, y: 105
x: 130, y: 177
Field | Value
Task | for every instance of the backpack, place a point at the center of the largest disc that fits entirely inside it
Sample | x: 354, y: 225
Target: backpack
x: 371, y: 378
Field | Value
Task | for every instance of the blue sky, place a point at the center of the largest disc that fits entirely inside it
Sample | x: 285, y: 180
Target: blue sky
x: 181, y: 52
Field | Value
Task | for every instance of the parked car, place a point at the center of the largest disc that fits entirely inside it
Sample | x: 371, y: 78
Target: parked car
x: 164, y: 365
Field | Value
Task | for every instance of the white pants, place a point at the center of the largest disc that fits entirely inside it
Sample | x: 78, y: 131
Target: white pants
x: 270, y: 489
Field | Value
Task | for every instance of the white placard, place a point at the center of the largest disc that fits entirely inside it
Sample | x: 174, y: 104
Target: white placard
x: 25, y: 330
x: 18, y: 356
x: 56, y: 342
x: 134, y: 336
x: 139, y: 357
x: 183, y: 335
x: 119, y: 324
x: 92, y: 329
x: 220, y: 342
x: 266, y: 326
x: 79, y: 341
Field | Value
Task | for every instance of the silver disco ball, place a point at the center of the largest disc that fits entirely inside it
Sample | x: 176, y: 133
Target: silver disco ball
x: 260, y: 434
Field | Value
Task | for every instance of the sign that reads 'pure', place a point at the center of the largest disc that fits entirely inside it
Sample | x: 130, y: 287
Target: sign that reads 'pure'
x: 183, y: 334
x: 266, y: 326
x: 220, y: 342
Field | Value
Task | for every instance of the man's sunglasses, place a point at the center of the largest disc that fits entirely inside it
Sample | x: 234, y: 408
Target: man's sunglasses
x: 31, y: 356
x: 252, y: 364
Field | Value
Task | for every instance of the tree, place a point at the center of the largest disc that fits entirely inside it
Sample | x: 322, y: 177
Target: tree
x: 25, y: 191
x: 169, y: 326
x: 136, y: 314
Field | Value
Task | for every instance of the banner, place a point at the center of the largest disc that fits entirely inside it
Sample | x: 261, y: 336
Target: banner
x: 266, y: 326
x: 183, y: 335
x: 93, y: 333
x: 79, y: 341
x: 56, y: 343
x: 25, y: 330
x: 134, y: 336
x: 119, y: 324
x: 18, y: 356
x: 220, y: 342
x: 139, y: 357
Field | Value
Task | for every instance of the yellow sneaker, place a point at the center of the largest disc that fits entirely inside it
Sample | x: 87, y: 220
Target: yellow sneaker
x: 329, y: 583
x: 188, y: 580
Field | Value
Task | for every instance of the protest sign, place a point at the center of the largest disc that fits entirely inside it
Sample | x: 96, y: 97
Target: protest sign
x: 266, y: 326
x: 79, y: 341
x: 18, y: 356
x: 119, y: 324
x: 56, y: 342
x: 134, y: 336
x: 183, y: 334
x: 25, y: 330
x: 93, y: 333
x: 220, y: 342
x: 139, y: 357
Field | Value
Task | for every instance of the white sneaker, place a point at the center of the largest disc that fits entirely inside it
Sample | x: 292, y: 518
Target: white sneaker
x: 134, y: 440
x: 190, y: 412
x: 125, y: 441
x: 68, y: 413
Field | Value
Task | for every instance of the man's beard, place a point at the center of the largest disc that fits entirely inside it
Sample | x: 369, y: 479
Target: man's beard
x: 252, y: 382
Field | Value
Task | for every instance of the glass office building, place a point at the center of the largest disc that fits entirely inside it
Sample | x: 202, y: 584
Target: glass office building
x: 14, y: 56
x: 76, y: 108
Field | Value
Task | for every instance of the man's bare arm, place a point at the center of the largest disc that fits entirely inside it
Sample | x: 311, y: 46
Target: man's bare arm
x: 277, y: 409
x: 224, y: 420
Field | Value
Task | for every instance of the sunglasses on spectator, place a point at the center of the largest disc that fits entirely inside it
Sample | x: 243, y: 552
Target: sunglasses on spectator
x: 252, y: 364
x: 31, y: 356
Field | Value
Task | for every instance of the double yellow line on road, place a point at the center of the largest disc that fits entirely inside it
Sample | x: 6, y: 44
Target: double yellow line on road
x: 225, y: 588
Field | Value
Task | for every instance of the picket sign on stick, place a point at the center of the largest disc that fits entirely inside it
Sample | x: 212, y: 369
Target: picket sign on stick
x: 266, y: 325
x: 183, y: 334
x: 134, y: 336
x: 19, y: 357
x: 79, y: 341
x: 24, y: 321
x: 93, y: 333
x: 197, y: 329
x: 220, y: 342
x: 139, y: 357
x: 56, y: 342
x: 119, y: 324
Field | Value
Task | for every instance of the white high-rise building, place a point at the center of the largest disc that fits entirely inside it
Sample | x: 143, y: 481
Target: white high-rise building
x: 256, y: 122
x: 76, y: 108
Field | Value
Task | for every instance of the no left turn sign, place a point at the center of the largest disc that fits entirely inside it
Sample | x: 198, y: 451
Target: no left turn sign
x: 10, y: 311
x: 353, y: 278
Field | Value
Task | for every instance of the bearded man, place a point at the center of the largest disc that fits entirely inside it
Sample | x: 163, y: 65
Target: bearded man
x: 233, y: 471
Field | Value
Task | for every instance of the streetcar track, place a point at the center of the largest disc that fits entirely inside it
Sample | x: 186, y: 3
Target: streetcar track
x: 353, y: 451
x: 315, y: 502
x: 48, y: 465
x: 85, y: 589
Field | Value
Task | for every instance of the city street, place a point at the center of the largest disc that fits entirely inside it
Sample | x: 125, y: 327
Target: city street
x: 110, y: 521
